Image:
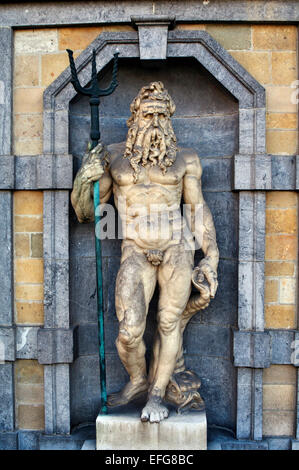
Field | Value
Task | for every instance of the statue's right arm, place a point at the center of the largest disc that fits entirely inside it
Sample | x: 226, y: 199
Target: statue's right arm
x: 92, y: 169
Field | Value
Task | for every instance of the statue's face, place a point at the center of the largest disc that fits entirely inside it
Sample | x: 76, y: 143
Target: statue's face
x: 151, y: 139
x: 152, y: 113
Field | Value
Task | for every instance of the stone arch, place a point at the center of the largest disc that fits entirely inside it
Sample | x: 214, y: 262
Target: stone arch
x: 251, y: 98
x: 197, y: 44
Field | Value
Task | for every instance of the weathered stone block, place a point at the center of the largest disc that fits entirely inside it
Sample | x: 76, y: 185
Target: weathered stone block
x: 29, y: 270
x: 80, y: 37
x: 283, y: 68
x: 86, y: 340
x: 278, y: 423
x: 251, y: 349
x: 279, y: 397
x: 279, y: 444
x: 29, y: 371
x: 7, y: 344
x: 6, y: 398
x: 186, y: 432
x: 281, y: 121
x: 283, y: 172
x: 36, y: 41
x: 28, y: 440
x: 26, y: 338
x: 53, y: 65
x: 230, y: 36
x: 282, y: 142
x: 6, y: 52
x: 6, y: 262
x: 27, y: 147
x: 28, y: 126
x: 32, y: 312
x: 281, y: 220
x: 30, y: 417
x: 28, y: 100
x: 281, y: 346
x: 30, y: 394
x: 29, y: 292
x: 280, y: 374
x: 57, y: 399
x: 55, y: 346
x: 243, y: 445
x: 280, y: 316
x: 287, y: 291
x: 281, y: 247
x: 86, y: 394
x: 256, y: 63
x: 22, y: 245
x: 28, y: 224
x: 8, y: 441
x: 277, y: 268
x: 7, y: 163
x: 26, y: 70
x: 58, y: 442
x: 37, y: 245
x: 271, y: 290
x: 279, y: 99
x: 274, y: 37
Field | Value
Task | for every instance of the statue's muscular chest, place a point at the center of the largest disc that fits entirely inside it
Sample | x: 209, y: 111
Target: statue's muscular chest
x: 152, y: 186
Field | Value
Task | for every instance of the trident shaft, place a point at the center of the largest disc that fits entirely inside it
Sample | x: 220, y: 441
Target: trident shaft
x: 94, y: 92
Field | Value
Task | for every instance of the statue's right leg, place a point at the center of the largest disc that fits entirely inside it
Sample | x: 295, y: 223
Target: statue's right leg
x: 135, y: 285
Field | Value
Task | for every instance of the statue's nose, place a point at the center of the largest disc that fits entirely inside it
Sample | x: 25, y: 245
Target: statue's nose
x: 155, y: 121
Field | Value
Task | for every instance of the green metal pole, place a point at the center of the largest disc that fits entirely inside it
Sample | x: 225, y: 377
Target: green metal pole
x: 94, y: 92
x: 101, y: 331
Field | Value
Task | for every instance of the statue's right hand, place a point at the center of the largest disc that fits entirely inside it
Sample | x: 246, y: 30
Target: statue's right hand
x: 93, y: 168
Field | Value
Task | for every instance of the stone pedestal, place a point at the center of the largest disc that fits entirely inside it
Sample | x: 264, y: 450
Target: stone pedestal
x: 125, y: 431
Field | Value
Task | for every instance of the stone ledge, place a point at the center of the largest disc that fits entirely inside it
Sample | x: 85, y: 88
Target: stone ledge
x: 126, y: 432
x: 252, y: 349
x: 266, y: 172
x: 119, y: 12
x: 31, y: 172
x: 55, y: 346
x: 255, y: 349
x: 252, y: 172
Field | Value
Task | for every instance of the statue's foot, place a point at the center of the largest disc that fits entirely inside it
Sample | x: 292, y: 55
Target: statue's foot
x: 154, y: 411
x: 128, y: 393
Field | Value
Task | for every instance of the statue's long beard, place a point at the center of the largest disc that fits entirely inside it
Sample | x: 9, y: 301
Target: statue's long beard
x: 154, y: 145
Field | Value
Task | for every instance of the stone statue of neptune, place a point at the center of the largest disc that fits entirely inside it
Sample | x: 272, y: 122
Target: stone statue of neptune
x: 149, y: 174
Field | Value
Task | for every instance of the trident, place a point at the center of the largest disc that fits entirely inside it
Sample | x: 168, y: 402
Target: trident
x: 94, y: 91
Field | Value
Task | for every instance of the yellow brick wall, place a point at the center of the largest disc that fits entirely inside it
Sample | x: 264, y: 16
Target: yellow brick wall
x: 28, y: 264
x: 39, y: 58
x: 279, y: 400
x: 269, y: 54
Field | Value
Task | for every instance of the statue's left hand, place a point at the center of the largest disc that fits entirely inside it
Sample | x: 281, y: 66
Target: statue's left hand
x: 204, y: 277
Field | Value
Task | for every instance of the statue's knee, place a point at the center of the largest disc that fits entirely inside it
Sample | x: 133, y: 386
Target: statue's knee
x: 168, y: 320
x: 128, y: 338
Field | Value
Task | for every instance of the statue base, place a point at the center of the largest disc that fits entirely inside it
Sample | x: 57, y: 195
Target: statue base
x: 125, y: 431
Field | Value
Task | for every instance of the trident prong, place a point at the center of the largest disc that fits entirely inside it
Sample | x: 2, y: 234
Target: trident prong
x: 94, y: 92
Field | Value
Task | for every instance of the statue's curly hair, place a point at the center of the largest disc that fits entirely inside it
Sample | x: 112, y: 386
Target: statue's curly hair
x: 153, y: 91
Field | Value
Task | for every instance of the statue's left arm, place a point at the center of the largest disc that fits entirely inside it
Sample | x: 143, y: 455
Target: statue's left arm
x: 201, y: 223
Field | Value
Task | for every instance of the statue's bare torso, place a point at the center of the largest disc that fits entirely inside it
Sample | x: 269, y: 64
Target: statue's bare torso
x: 155, y: 196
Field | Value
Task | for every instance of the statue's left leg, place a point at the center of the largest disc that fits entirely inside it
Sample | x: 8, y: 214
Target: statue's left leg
x: 174, y: 277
